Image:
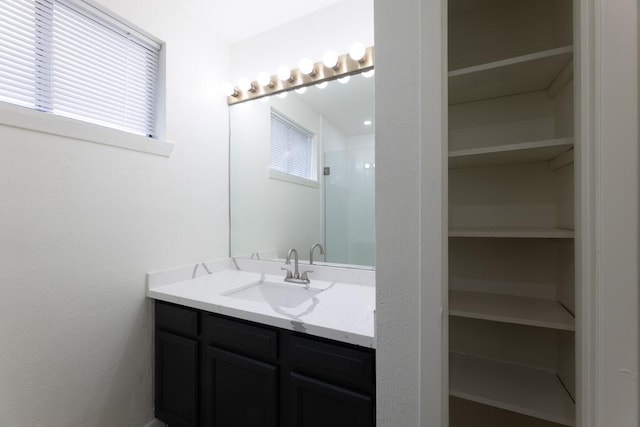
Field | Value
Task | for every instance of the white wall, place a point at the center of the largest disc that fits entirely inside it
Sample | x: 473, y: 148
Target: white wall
x: 334, y: 139
x: 335, y: 27
x: 616, y: 212
x: 82, y: 223
x: 410, y: 224
x: 268, y: 213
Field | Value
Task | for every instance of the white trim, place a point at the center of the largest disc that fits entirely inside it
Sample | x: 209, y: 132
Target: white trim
x: 606, y: 232
x: 585, y: 150
x: 38, y: 121
x: 293, y: 179
x: 440, y: 230
x: 613, y: 325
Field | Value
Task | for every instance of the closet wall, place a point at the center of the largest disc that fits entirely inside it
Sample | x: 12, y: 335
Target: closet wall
x: 511, y: 213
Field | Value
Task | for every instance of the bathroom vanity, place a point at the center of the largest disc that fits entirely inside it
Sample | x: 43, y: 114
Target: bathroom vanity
x: 236, y: 348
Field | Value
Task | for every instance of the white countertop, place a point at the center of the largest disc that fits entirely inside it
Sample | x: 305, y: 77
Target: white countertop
x: 325, y: 308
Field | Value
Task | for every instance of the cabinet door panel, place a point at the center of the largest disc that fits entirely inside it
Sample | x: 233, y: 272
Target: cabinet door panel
x: 318, y: 404
x: 239, y: 391
x: 176, y: 380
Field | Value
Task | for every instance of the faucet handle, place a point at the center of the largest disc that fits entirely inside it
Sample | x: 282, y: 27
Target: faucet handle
x: 304, y: 276
x: 289, y: 273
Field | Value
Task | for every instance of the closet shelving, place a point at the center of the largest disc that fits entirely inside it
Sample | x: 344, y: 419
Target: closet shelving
x: 533, y: 151
x: 524, y: 390
x: 512, y: 233
x: 510, y: 309
x: 511, y: 209
x: 520, y: 74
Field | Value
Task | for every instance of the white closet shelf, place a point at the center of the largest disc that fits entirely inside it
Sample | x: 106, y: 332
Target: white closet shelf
x: 533, y: 151
x: 526, y: 73
x: 510, y: 309
x: 514, y: 233
x: 527, y: 391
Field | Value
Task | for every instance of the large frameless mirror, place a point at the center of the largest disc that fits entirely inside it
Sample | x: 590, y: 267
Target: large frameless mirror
x: 302, y: 171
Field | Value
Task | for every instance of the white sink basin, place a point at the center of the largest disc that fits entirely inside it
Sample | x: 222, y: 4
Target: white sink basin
x: 277, y: 294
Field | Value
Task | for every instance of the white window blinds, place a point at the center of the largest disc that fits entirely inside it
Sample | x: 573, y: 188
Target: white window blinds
x: 18, y: 52
x: 292, y: 148
x: 68, y: 58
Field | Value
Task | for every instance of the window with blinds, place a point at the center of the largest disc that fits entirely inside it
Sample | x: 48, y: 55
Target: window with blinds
x: 292, y: 148
x: 70, y: 59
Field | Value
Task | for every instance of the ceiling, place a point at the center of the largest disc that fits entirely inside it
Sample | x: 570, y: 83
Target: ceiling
x: 346, y: 106
x: 240, y: 19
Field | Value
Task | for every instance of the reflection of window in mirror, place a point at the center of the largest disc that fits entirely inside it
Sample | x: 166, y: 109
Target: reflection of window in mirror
x: 293, y: 151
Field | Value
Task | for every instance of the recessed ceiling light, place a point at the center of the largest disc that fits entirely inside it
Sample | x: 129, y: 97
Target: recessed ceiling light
x: 367, y: 122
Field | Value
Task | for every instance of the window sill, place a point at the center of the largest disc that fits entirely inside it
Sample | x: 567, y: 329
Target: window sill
x: 293, y: 179
x: 25, y: 118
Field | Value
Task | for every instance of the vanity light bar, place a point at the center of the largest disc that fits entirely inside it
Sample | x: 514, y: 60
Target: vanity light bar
x: 345, y: 66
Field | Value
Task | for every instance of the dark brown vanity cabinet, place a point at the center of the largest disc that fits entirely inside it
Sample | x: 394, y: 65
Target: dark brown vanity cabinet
x: 217, y: 371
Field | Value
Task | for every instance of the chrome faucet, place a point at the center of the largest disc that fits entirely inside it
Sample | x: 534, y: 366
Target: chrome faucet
x: 295, y: 277
x: 317, y: 245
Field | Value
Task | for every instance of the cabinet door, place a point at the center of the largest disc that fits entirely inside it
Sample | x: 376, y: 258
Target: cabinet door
x: 239, y: 391
x: 176, y: 380
x: 318, y: 404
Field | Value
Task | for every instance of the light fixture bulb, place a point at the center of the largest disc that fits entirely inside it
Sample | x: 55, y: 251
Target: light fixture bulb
x: 367, y: 165
x: 284, y: 73
x: 227, y: 89
x: 344, y: 80
x: 330, y: 59
x: 367, y: 123
x: 322, y: 85
x: 357, y: 51
x: 282, y: 95
x: 301, y: 90
x: 306, y: 66
x: 368, y: 74
x: 264, y: 79
x: 244, y: 84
